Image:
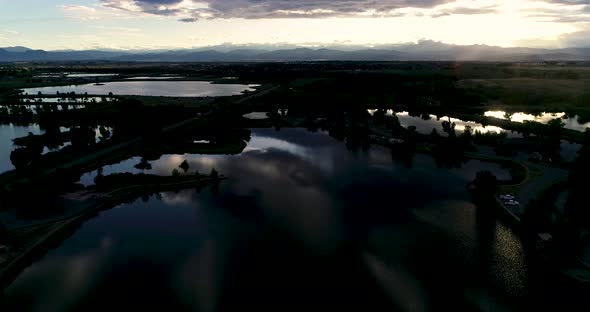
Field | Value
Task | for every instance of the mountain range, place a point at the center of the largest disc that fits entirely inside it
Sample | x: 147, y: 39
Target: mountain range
x: 422, y: 51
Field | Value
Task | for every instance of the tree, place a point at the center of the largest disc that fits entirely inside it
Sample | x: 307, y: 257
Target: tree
x: 434, y: 136
x: 184, y: 166
x: 379, y: 116
x: 104, y: 132
x: 83, y: 136
x: 214, y: 173
x: 485, y: 183
x: 24, y: 156
x: 449, y: 128
x: 555, y: 126
x: 144, y: 164
x: 394, y: 124
x: 468, y: 135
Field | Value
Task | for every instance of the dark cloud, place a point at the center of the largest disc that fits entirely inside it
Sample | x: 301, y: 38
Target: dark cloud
x: 258, y: 9
x: 159, y: 7
x: 252, y: 9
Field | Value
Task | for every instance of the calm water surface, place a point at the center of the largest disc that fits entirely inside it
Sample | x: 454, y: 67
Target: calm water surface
x: 7, y: 134
x: 572, y: 123
x: 302, y: 223
x: 150, y: 88
x: 425, y: 123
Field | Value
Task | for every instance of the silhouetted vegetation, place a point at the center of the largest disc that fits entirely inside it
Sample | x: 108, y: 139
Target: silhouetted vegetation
x: 485, y: 184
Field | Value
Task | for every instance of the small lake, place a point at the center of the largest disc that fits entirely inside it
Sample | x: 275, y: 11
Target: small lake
x: 425, y: 123
x: 35, y: 107
x: 256, y: 116
x: 301, y: 222
x: 65, y: 100
x: 155, y: 78
x: 150, y: 88
x: 572, y: 123
x: 259, y: 142
x: 9, y: 133
x: 76, y: 75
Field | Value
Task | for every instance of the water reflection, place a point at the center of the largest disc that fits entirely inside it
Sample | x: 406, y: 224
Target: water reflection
x: 67, y: 100
x: 7, y: 134
x: 425, y: 123
x: 150, y: 88
x: 155, y: 78
x: 256, y: 116
x: 301, y: 222
x: 572, y: 123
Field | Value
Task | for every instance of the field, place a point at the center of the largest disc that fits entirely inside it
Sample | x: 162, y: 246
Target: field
x: 518, y: 94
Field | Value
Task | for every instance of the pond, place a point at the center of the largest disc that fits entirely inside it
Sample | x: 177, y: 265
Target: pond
x: 35, y: 108
x: 425, y: 123
x: 256, y: 116
x: 150, y: 88
x: 66, y: 100
x: 75, y: 75
x: 261, y: 142
x: 10, y: 132
x: 85, y: 75
x: 301, y: 222
x: 7, y: 134
x: 572, y: 123
x: 155, y: 78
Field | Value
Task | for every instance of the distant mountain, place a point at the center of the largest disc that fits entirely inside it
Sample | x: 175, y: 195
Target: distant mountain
x: 423, y: 50
x: 16, y: 49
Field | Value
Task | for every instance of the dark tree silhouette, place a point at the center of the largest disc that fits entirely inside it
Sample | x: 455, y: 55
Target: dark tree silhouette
x: 184, y: 166
x: 485, y: 183
x: 214, y: 173
x: 449, y: 128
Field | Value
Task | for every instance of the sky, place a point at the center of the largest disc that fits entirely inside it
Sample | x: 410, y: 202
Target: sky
x: 164, y: 24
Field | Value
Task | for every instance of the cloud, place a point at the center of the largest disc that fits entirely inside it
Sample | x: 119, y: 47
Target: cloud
x: 460, y: 10
x: 90, y: 13
x: 6, y: 34
x: 193, y: 10
x: 578, y: 38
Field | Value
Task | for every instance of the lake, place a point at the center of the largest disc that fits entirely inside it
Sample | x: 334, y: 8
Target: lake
x: 572, y: 123
x: 301, y: 222
x: 150, y: 88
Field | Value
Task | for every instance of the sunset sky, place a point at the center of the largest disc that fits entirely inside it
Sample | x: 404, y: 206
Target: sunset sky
x: 156, y: 24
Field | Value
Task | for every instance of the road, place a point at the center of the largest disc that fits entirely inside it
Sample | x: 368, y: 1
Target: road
x: 539, y: 178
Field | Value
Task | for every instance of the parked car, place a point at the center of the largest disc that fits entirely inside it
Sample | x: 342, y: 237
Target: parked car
x: 507, y: 197
x: 511, y: 203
